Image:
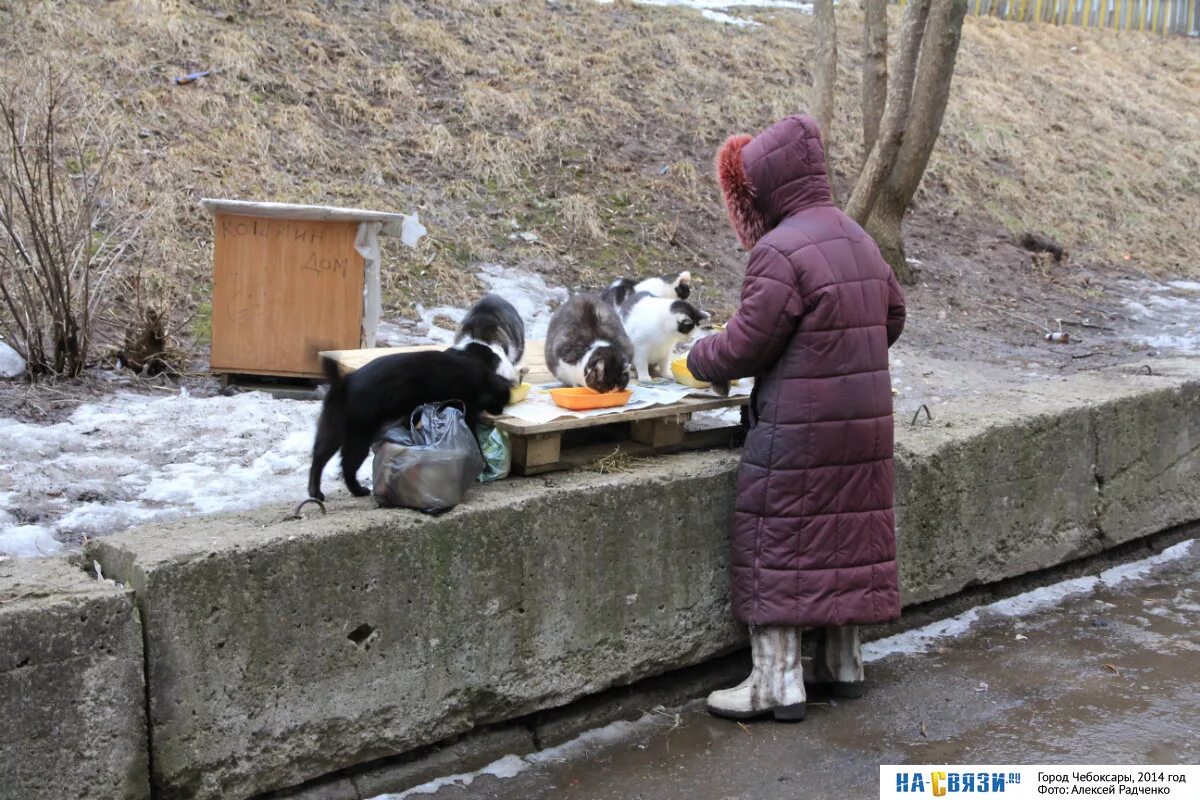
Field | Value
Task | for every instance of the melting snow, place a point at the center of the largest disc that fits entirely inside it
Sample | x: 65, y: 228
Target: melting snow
x: 919, y: 640
x: 11, y: 363
x: 721, y: 16
x: 715, y: 9
x: 1167, y: 314
x: 133, y: 458
x: 534, y: 300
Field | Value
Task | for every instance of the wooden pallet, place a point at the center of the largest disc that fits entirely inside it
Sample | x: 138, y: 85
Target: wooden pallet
x: 570, y: 442
x: 573, y: 442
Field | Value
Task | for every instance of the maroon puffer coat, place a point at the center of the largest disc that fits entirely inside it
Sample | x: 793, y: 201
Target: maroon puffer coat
x: 814, y: 538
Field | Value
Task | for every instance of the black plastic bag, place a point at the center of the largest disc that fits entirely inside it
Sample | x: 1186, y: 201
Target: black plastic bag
x: 429, y: 463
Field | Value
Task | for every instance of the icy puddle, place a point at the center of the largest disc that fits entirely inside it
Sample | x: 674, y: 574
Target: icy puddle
x: 1164, y: 316
x: 1092, y: 670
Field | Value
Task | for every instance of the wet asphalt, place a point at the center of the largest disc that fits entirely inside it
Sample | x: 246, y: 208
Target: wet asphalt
x: 1107, y: 677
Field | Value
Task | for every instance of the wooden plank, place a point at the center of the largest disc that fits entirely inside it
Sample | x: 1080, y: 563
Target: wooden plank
x: 658, y: 432
x: 688, y: 405
x: 392, y: 223
x: 283, y: 290
x: 707, y: 439
x: 350, y: 360
x: 531, y: 452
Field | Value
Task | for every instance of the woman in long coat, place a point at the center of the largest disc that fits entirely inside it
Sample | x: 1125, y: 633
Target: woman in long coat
x: 813, y: 542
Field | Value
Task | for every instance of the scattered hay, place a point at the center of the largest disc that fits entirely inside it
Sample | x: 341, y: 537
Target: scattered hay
x: 615, y: 462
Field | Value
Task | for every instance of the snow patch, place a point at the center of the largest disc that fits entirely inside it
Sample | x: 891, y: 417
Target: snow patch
x: 28, y: 541
x: 534, y: 300
x: 1164, y: 319
x: 135, y: 458
x: 918, y: 640
x: 507, y: 767
x: 721, y: 16
x: 1042, y: 598
x: 11, y: 363
x: 1121, y: 573
x: 714, y: 9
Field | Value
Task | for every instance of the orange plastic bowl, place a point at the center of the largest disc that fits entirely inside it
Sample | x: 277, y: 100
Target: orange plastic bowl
x: 585, y: 399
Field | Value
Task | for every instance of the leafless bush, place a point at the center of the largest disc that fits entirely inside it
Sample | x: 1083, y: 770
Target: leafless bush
x: 62, y: 235
x: 142, y: 309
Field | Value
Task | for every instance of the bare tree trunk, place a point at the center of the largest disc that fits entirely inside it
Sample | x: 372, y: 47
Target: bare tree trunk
x: 874, y: 74
x: 825, y: 69
x: 824, y: 100
x: 882, y: 157
x: 929, y: 97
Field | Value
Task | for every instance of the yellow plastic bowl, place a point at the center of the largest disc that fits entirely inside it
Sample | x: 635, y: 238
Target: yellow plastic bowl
x: 585, y: 399
x: 679, y: 369
x: 518, y: 393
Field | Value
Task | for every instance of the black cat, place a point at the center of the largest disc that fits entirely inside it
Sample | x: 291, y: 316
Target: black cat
x: 388, y: 389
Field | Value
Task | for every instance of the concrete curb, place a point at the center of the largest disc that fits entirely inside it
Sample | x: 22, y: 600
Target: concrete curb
x: 72, y: 697
x: 278, y: 652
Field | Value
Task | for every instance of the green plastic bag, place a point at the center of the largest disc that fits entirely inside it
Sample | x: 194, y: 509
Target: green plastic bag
x: 497, y: 452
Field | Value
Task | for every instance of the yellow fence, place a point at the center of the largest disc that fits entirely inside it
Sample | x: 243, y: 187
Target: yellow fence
x: 1165, y: 17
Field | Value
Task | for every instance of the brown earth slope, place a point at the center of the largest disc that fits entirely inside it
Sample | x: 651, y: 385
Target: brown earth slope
x: 593, y: 126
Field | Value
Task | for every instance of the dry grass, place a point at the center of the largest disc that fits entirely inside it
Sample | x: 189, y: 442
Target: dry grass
x: 613, y: 463
x: 594, y: 126
x: 1089, y: 136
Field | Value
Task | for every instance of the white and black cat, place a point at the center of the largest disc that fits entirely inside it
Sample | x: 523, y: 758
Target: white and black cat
x: 622, y: 289
x: 655, y: 325
x: 494, y: 326
x: 586, y: 345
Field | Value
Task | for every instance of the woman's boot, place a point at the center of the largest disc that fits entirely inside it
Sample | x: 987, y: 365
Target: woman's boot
x: 775, y: 685
x: 838, y: 665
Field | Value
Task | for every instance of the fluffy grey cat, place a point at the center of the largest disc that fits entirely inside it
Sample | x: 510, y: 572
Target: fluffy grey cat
x: 586, y: 345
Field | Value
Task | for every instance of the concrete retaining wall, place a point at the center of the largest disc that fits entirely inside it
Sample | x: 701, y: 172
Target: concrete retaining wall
x: 281, y: 651
x: 72, y: 699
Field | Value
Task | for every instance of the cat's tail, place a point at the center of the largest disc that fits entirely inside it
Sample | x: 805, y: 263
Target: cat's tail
x: 589, y: 320
x: 337, y: 384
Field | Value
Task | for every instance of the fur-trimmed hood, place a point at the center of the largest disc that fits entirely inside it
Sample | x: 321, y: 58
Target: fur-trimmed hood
x: 772, y: 175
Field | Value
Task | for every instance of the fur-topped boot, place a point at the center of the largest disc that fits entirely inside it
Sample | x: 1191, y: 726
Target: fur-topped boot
x: 775, y: 685
x: 838, y: 666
